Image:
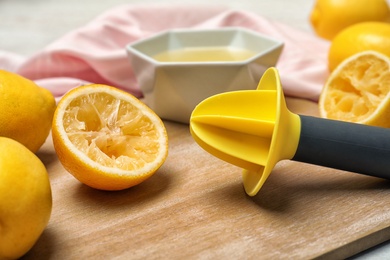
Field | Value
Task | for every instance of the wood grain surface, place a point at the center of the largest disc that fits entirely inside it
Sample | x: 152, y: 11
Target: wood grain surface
x: 195, y: 207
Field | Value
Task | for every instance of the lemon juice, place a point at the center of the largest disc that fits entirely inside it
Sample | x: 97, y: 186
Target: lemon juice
x: 204, y: 54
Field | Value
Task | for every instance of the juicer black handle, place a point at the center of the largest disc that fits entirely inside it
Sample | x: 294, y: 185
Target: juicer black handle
x: 345, y: 146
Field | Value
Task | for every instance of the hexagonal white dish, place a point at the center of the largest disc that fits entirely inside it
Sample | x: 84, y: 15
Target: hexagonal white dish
x: 173, y: 88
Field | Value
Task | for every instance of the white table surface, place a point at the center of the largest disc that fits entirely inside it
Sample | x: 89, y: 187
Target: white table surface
x: 26, y: 26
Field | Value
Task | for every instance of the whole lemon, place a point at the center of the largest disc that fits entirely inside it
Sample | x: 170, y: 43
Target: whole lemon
x: 26, y: 110
x: 26, y: 201
x: 374, y: 36
x: 329, y: 17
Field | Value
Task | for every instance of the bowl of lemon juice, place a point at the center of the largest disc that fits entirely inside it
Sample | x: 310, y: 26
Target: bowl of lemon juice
x: 179, y: 68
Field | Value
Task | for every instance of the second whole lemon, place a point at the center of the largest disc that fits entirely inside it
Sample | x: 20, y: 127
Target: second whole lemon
x: 26, y: 110
x: 368, y: 36
x: 25, y: 199
x: 329, y: 17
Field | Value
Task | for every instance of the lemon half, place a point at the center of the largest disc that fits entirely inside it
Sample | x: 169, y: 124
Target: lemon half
x: 358, y: 90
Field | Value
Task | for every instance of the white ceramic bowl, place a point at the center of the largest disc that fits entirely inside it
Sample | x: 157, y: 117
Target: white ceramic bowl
x: 173, y: 88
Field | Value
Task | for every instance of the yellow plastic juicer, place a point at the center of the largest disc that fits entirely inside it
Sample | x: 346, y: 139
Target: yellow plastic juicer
x: 253, y: 129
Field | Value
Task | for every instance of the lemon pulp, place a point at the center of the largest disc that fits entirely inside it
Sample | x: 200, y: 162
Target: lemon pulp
x: 111, y: 131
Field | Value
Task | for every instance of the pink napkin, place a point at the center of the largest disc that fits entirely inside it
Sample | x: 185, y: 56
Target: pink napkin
x: 96, y: 52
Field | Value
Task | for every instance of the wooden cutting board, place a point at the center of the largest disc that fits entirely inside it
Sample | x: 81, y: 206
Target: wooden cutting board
x: 195, y: 207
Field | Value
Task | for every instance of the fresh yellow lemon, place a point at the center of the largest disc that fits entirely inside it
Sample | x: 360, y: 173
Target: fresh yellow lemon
x: 329, y: 17
x: 107, y: 138
x: 26, y: 110
x: 25, y: 200
x: 358, y: 90
x: 357, y: 38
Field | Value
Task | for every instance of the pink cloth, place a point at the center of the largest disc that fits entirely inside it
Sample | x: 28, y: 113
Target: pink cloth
x: 96, y: 52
